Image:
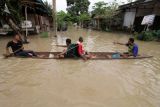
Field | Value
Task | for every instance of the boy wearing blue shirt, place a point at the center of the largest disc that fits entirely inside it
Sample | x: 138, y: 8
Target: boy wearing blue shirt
x: 132, y: 47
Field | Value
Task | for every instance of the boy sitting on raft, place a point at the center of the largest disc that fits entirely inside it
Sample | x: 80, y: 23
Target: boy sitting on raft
x: 70, y: 52
x: 74, y: 50
x: 18, y: 49
x: 81, y: 51
x: 132, y: 48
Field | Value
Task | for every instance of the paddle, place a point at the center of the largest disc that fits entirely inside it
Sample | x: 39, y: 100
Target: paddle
x: 11, y: 54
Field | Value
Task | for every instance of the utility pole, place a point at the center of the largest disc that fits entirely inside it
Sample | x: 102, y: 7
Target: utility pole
x: 54, y: 18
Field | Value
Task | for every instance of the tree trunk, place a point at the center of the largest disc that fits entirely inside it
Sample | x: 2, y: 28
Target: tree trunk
x: 5, y: 14
x: 14, y: 27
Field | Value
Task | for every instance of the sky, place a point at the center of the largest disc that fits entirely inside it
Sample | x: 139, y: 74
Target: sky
x: 62, y: 5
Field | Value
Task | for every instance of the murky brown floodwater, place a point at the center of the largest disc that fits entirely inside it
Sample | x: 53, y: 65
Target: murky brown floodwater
x: 75, y: 83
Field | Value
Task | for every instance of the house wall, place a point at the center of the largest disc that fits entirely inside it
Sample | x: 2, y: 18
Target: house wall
x: 148, y: 9
x: 1, y: 23
x: 129, y: 17
x: 157, y: 9
x: 141, y: 11
x: 31, y: 17
x: 144, y: 12
x: 44, y: 22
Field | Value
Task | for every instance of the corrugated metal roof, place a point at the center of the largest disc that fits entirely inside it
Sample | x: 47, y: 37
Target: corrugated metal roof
x: 39, y: 6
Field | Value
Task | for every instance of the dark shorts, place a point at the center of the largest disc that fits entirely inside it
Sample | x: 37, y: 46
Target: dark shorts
x: 25, y: 53
x: 70, y: 56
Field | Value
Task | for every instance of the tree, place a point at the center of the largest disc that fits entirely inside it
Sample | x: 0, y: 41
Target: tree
x: 15, y: 10
x: 99, y: 8
x: 105, y: 9
x: 83, y: 17
x: 12, y: 18
x: 77, y: 7
x: 13, y: 6
x: 63, y: 19
x: 48, y: 6
x: 2, y: 6
x: 107, y: 12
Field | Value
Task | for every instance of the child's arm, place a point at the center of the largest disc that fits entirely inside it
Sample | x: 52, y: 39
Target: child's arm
x: 119, y: 43
x: 62, y: 53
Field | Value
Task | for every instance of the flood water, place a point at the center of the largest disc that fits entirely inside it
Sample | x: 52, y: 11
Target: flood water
x: 75, y: 83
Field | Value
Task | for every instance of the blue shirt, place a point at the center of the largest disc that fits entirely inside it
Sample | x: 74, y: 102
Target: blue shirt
x: 135, y: 50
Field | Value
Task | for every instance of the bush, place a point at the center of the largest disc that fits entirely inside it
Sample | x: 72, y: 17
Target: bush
x: 157, y: 34
x: 148, y: 35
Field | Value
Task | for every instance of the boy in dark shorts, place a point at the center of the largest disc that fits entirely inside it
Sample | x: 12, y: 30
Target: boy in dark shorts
x: 17, y: 48
x: 70, y: 52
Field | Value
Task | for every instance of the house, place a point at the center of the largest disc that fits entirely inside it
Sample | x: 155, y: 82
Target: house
x: 35, y: 17
x: 96, y: 22
x: 36, y: 12
x: 133, y: 14
x: 107, y: 23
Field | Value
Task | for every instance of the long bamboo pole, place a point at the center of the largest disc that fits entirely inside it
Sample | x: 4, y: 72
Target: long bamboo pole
x: 54, y: 18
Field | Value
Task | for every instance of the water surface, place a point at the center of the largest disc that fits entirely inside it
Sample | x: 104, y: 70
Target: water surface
x: 75, y: 83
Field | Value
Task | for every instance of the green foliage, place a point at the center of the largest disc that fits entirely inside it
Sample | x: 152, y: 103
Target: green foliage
x: 44, y: 35
x: 99, y: 8
x: 148, y: 35
x: 107, y: 12
x: 157, y: 34
x: 2, y: 6
x: 84, y: 17
x: 63, y: 19
x: 76, y: 8
x: 48, y: 6
x: 15, y: 9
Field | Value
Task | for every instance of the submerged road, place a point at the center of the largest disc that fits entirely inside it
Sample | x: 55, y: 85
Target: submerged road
x: 75, y: 83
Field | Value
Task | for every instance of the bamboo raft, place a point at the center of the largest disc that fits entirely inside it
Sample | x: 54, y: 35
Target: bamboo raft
x: 97, y: 56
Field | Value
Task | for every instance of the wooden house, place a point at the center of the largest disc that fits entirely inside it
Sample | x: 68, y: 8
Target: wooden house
x: 36, y: 12
x: 133, y: 14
